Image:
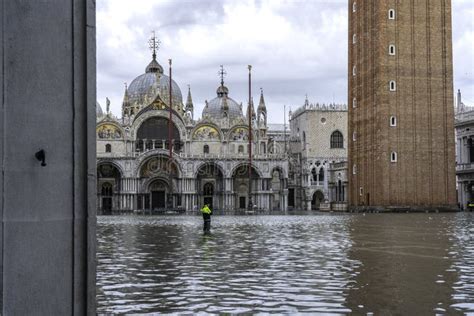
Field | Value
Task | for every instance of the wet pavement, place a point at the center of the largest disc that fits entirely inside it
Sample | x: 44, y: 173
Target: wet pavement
x: 381, y: 263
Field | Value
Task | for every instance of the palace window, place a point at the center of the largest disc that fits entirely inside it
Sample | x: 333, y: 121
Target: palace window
x: 391, y: 50
x: 108, y: 148
x: 393, y: 157
x: 206, y: 149
x: 361, y: 191
x: 337, y: 140
x: 393, y: 86
x: 393, y: 121
x: 391, y: 14
x: 321, y: 175
x: 241, y: 149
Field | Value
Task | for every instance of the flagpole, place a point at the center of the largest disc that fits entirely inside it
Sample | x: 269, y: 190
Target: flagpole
x: 250, y: 205
x: 170, y: 145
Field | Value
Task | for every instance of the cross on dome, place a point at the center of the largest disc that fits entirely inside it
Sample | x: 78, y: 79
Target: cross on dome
x: 222, y: 73
x: 154, y: 44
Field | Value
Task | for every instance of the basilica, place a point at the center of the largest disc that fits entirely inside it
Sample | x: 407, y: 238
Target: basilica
x: 207, y: 160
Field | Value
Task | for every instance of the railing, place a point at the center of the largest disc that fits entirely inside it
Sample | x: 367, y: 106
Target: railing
x: 317, y: 183
x: 337, y: 165
x: 233, y: 156
x: 465, y: 167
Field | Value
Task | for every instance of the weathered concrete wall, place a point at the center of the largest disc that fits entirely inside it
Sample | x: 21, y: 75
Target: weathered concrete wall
x: 47, y: 92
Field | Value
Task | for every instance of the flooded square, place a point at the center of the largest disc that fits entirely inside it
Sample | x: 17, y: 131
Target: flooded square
x: 381, y: 263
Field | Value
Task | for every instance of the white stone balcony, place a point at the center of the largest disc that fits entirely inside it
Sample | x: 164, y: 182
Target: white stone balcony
x: 465, y: 168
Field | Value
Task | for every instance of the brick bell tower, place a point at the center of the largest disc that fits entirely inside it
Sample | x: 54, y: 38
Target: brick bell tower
x: 401, y: 115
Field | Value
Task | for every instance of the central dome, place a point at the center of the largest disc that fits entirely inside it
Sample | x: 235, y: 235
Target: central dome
x: 221, y: 105
x: 141, y: 85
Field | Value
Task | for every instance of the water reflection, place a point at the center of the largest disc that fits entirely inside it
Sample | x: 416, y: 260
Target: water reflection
x: 405, y: 264
x: 327, y: 263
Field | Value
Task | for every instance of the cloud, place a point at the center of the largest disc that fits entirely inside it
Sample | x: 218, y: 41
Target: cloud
x: 296, y: 47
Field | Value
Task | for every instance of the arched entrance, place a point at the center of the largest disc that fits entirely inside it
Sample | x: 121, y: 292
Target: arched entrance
x: 159, y: 178
x: 240, y: 178
x: 106, y: 193
x: 208, y: 194
x: 108, y: 187
x: 159, y: 191
x: 318, y: 198
x: 153, y: 134
x: 210, y: 185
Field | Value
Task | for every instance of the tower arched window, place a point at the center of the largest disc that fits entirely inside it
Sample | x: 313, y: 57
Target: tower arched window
x: 337, y: 140
x: 391, y: 14
x: 354, y: 6
x: 391, y: 50
x: 354, y: 70
x: 108, y: 148
x: 354, y: 38
x: 393, y: 86
x: 393, y: 157
x: 393, y: 121
x: 354, y: 103
x: 206, y: 149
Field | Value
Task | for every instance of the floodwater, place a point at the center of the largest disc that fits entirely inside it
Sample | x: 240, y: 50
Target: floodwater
x: 384, y: 264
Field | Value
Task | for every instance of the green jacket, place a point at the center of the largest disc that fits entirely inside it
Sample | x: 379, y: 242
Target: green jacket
x: 206, y: 210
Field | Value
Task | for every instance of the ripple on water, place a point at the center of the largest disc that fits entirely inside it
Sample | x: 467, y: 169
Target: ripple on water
x: 249, y: 264
x: 283, y: 264
x: 463, y: 263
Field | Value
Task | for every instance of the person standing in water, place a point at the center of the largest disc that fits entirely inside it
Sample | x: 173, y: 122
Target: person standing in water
x: 206, y: 215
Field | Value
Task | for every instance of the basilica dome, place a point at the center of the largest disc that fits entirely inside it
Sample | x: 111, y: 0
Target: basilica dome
x: 217, y: 107
x: 141, y: 86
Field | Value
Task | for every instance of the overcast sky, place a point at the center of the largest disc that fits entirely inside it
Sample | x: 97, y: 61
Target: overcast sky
x: 296, y: 48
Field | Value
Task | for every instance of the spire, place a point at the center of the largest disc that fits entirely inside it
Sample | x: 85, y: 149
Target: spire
x: 261, y: 105
x: 251, y: 109
x: 189, y: 100
x: 107, y: 105
x: 126, y: 98
x: 306, y: 102
x: 154, y: 66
